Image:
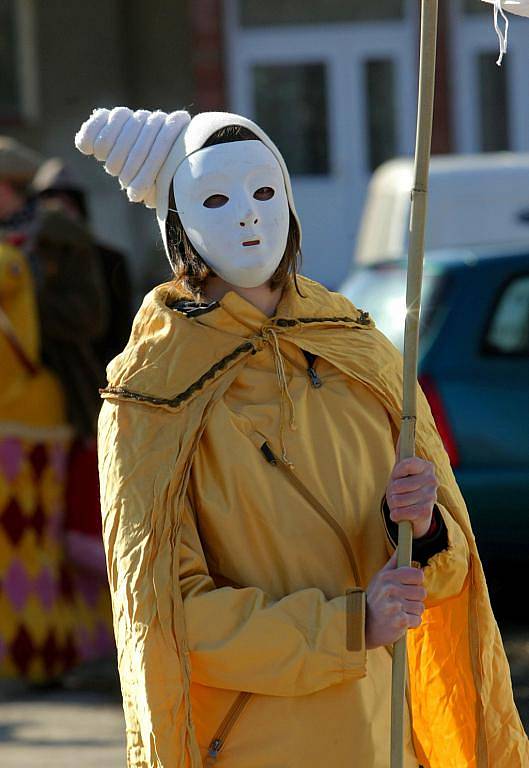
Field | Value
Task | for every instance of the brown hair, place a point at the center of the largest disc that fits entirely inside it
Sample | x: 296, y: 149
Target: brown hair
x: 189, y: 268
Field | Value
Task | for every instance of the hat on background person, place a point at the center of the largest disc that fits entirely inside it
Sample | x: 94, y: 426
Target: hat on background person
x: 53, y: 174
x: 18, y: 164
x: 54, y: 179
x: 57, y: 189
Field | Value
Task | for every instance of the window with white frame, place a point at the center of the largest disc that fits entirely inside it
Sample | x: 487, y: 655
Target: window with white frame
x: 291, y: 105
x: 380, y: 110
x: 508, y: 333
x: 493, y: 88
x: 333, y: 84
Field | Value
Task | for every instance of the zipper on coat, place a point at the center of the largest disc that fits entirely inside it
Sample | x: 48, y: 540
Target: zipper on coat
x: 219, y: 739
x: 274, y: 461
x: 311, y: 371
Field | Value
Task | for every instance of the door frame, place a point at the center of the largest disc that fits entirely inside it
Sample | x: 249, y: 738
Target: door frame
x: 342, y: 48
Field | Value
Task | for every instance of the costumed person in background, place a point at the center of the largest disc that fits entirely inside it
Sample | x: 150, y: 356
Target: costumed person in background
x: 250, y: 494
x: 71, y: 300
x: 18, y: 165
x: 37, y: 626
x: 36, y: 607
x: 76, y: 295
x: 72, y: 311
x: 55, y: 188
x: 69, y: 294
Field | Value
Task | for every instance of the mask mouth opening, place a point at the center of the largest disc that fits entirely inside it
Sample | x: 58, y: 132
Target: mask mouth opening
x: 251, y: 242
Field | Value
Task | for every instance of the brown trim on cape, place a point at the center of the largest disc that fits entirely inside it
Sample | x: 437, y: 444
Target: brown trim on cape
x: 173, y: 402
x: 362, y: 319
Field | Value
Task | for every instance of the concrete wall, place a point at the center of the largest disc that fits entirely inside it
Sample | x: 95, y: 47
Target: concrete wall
x: 108, y: 53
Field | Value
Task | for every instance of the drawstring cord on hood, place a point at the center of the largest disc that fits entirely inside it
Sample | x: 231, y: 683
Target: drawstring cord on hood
x: 270, y: 336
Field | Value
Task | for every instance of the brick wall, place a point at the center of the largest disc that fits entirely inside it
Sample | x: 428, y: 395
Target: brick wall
x: 442, y: 141
x: 206, y: 23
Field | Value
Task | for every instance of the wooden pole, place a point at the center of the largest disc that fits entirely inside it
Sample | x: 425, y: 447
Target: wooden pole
x: 419, y: 200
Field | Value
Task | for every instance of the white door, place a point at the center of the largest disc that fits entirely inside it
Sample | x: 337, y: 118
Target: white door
x: 336, y: 94
x: 491, y: 104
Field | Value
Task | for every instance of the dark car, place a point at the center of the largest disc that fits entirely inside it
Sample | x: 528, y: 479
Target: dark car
x: 474, y: 369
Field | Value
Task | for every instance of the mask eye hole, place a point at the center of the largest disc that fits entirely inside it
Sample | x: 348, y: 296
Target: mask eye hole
x: 264, y: 193
x: 215, y: 201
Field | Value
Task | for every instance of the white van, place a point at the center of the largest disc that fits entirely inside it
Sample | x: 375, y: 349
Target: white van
x: 473, y: 200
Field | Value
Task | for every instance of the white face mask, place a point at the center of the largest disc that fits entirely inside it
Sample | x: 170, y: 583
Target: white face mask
x: 233, y: 205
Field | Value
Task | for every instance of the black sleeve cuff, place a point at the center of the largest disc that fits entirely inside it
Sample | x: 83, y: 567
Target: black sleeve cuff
x: 427, y: 546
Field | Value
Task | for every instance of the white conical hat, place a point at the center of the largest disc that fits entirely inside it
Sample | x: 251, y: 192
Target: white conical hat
x: 144, y: 149
x: 133, y: 146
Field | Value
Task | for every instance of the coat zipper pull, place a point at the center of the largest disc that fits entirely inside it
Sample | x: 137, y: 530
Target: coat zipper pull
x: 268, y: 454
x: 213, y: 751
x: 311, y: 371
x: 314, y: 378
x: 219, y: 738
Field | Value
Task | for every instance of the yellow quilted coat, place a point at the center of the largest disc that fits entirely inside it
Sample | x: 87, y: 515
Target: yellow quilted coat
x: 241, y: 489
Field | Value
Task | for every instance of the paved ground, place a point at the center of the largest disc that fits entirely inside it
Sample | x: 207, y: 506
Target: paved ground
x: 77, y: 727
x: 517, y: 646
x: 61, y: 731
x: 83, y: 728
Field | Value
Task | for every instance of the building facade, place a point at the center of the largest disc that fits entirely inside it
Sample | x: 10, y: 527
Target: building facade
x: 334, y: 83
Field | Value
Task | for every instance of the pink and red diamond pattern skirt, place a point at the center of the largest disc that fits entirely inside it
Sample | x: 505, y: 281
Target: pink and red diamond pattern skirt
x: 51, y: 616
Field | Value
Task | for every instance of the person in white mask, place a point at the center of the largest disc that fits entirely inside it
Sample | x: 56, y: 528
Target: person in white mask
x: 250, y: 493
x: 233, y: 206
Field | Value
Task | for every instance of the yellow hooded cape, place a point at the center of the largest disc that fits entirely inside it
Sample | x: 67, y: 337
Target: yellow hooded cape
x: 161, y: 391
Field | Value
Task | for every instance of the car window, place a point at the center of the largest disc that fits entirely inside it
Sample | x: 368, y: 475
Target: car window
x: 382, y: 292
x: 508, y: 331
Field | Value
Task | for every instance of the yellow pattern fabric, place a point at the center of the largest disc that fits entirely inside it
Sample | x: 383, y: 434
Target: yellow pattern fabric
x: 93, y: 616
x: 36, y: 599
x: 164, y: 390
